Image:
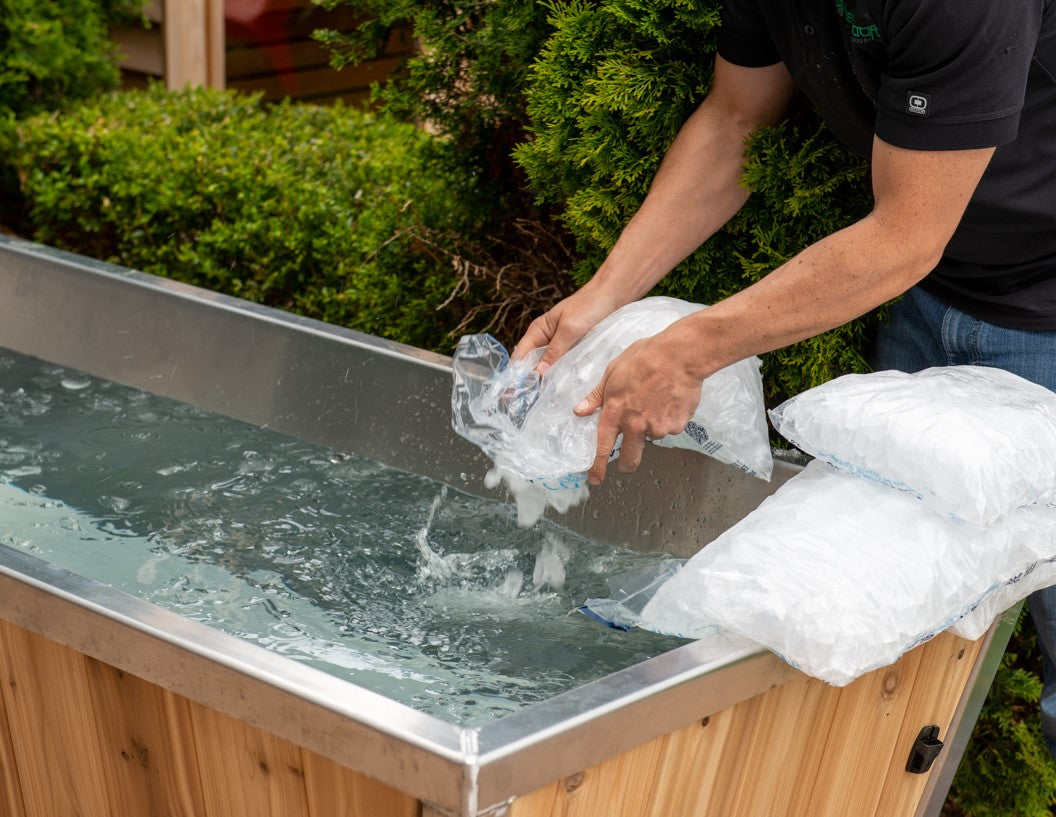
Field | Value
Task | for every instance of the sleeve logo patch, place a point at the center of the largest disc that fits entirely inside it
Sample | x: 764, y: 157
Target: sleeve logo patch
x: 917, y: 103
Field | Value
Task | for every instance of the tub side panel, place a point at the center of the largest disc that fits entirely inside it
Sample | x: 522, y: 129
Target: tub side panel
x: 774, y: 729
x: 804, y: 749
x: 192, y: 661
x: 863, y: 741
x: 939, y: 688
x: 687, y: 772
x: 81, y: 738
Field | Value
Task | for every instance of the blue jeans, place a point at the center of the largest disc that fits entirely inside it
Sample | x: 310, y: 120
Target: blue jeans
x: 923, y: 332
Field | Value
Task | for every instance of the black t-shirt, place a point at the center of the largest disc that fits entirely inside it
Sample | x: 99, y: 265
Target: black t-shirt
x: 938, y: 75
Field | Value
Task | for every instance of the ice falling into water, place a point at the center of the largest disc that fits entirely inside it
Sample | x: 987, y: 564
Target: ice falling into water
x: 550, y: 563
x: 432, y: 565
x: 512, y: 584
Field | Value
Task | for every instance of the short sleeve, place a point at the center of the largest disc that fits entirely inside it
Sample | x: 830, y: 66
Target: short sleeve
x: 744, y: 38
x: 956, y: 72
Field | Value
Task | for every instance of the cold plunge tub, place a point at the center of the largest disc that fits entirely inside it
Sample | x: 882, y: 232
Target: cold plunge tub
x: 111, y: 705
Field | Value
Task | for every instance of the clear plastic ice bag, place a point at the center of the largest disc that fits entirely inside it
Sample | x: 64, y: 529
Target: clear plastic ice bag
x: 629, y: 593
x: 525, y: 423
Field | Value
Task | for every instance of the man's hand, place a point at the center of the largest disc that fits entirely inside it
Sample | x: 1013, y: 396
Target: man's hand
x: 649, y: 391
x: 562, y: 327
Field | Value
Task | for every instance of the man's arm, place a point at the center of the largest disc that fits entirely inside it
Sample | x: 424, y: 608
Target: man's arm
x: 697, y: 188
x: 652, y: 389
x: 695, y: 192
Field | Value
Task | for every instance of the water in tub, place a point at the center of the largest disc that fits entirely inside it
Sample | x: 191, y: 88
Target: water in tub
x: 427, y: 595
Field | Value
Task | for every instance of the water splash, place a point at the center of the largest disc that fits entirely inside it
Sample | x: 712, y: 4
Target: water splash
x: 432, y: 565
x: 512, y: 584
x: 550, y: 563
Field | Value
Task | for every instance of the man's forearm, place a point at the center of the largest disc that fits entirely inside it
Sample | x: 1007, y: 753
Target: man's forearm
x: 697, y: 189
x: 829, y: 283
x: 920, y: 198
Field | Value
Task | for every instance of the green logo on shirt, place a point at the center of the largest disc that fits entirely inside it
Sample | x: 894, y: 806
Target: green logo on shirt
x: 862, y: 31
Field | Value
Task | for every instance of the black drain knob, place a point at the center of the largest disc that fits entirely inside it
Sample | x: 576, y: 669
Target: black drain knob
x: 925, y: 749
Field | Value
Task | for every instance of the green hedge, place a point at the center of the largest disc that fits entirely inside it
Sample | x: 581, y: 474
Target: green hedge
x: 306, y: 208
x: 467, y: 82
x: 52, y: 53
x: 1007, y: 770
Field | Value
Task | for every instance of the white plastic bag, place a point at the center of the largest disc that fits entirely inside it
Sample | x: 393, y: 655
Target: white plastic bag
x: 526, y: 425
x: 1030, y: 577
x: 971, y: 441
x: 841, y: 575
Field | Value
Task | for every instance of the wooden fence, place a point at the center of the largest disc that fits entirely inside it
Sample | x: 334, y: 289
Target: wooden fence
x: 251, y: 45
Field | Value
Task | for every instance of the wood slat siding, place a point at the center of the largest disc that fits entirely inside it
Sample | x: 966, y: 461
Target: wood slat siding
x: 11, y: 804
x: 79, y: 738
x: 144, y: 726
x: 275, y: 56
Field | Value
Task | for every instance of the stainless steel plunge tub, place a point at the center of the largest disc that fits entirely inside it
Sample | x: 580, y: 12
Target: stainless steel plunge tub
x: 390, y: 403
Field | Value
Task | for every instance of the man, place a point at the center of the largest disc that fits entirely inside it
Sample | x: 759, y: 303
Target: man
x: 954, y: 102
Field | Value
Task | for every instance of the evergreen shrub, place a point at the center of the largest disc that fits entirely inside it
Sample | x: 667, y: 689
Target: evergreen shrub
x: 52, y: 52
x: 300, y: 207
x: 586, y: 96
x: 611, y: 87
x: 466, y: 81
